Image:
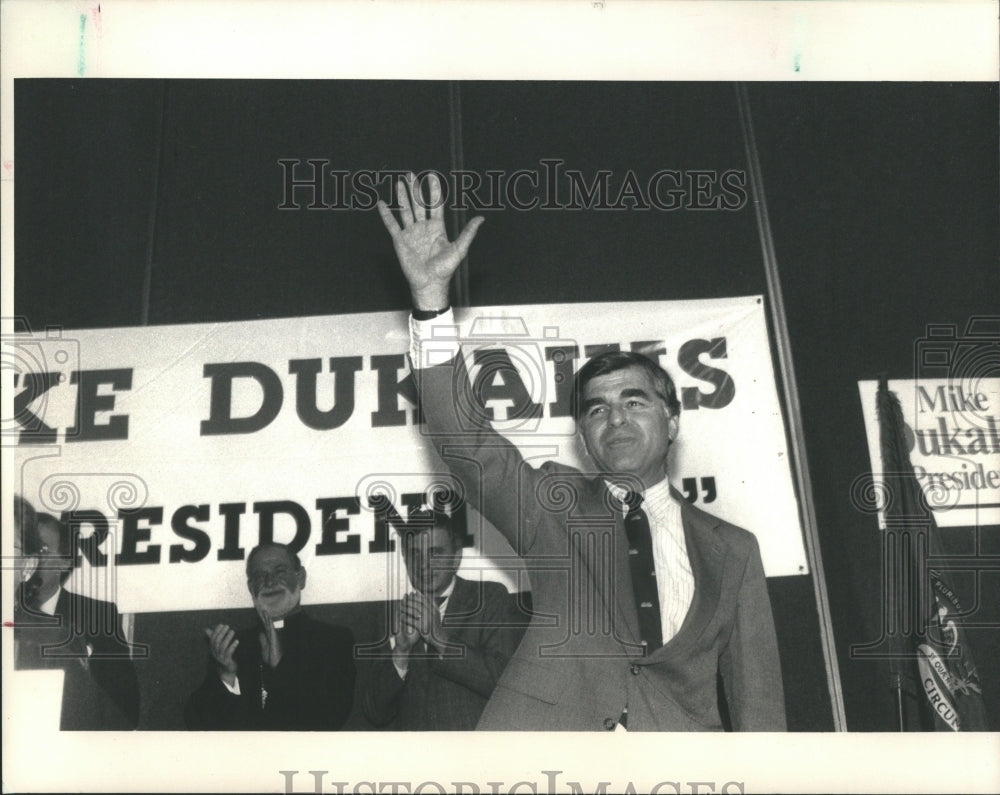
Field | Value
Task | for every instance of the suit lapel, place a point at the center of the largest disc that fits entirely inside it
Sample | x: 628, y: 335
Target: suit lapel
x: 707, y: 555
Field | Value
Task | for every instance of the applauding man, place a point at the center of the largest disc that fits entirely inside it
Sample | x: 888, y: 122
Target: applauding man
x: 290, y: 672
x: 452, y: 637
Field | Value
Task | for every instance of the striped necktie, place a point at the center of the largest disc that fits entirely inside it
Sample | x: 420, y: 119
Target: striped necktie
x: 640, y: 556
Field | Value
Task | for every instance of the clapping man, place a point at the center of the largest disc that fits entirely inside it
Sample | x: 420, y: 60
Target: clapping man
x: 290, y: 672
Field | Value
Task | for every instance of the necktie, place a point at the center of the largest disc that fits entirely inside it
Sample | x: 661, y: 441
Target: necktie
x: 640, y: 556
x: 430, y: 648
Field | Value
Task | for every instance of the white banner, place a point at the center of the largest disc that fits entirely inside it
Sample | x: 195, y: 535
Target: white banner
x: 178, y: 448
x: 953, y: 433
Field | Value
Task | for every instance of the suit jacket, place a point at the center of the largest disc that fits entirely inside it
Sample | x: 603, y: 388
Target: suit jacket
x: 311, y: 689
x: 580, y: 664
x: 448, y: 693
x: 84, y: 638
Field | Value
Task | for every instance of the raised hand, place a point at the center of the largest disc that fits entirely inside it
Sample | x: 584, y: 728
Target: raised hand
x: 222, y: 642
x: 425, y: 254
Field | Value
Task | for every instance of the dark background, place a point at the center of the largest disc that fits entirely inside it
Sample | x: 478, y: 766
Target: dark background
x: 883, y: 205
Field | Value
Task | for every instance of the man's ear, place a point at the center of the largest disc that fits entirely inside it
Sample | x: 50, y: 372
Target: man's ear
x: 673, y: 426
x: 301, y: 576
x: 29, y: 567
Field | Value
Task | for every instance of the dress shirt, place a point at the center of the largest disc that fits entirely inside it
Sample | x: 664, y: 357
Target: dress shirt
x: 674, y: 578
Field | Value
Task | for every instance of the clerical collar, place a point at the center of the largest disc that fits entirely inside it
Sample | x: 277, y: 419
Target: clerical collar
x: 279, y: 624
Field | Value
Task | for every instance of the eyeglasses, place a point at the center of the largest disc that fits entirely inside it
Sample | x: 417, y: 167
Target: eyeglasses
x: 258, y: 579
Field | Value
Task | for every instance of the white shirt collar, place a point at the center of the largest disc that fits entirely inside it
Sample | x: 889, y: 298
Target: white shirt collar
x: 657, y: 494
x: 49, y: 605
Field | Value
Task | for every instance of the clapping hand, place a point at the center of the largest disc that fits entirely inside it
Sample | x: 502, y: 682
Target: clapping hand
x: 223, y: 642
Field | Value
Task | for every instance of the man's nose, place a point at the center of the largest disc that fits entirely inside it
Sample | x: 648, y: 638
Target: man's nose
x: 617, y: 416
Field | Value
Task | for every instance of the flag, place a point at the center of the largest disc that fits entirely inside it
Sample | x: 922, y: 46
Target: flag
x: 930, y: 656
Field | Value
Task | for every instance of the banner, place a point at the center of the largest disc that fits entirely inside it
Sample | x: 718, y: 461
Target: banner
x: 952, y: 434
x: 175, y: 449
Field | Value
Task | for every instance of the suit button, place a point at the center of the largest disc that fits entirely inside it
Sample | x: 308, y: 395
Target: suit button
x: 609, y: 724
x: 634, y: 669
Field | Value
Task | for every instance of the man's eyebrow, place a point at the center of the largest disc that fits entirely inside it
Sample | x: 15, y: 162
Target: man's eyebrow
x: 590, y: 403
x: 636, y: 392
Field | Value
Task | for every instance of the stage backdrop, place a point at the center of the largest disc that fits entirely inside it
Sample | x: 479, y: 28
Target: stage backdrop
x: 176, y: 449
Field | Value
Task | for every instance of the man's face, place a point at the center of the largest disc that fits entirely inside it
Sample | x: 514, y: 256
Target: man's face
x: 274, y: 583
x: 626, y: 426
x: 431, y: 560
x: 53, y: 561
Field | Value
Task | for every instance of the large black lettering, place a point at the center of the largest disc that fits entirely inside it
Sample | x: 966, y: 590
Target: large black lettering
x: 220, y: 420
x: 306, y: 371
x: 88, y: 403
x: 89, y: 546
x: 134, y: 533
x: 497, y: 380
x: 267, y: 511
x: 334, y: 524
x: 35, y: 431
x: 689, y: 360
x: 179, y: 522
x: 386, y: 515
x: 390, y: 387
x: 231, y: 549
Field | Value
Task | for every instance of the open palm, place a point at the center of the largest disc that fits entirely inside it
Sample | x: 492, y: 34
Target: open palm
x: 425, y: 254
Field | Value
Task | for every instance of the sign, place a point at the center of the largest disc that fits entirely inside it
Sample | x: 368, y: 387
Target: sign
x: 953, y: 434
x: 176, y: 449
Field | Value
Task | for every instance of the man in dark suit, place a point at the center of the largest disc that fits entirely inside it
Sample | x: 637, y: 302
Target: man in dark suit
x: 57, y: 628
x: 451, y: 637
x: 643, y: 603
x: 288, y: 673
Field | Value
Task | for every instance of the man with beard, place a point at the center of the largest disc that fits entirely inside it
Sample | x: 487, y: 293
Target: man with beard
x: 289, y: 673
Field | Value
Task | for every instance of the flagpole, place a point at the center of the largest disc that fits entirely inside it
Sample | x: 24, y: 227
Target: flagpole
x: 790, y: 394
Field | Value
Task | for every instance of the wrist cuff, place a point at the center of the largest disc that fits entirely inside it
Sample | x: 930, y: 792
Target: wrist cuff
x: 428, y: 314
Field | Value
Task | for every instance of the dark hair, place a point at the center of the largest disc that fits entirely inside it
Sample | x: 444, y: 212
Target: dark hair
x: 427, y: 518
x: 612, y: 362
x: 274, y: 545
x: 26, y: 525
x: 61, y: 528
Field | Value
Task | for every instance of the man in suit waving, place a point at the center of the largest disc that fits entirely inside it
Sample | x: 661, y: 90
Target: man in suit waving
x: 650, y: 614
x: 452, y: 637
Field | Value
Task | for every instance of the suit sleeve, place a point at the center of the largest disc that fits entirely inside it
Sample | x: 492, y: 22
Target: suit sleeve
x: 112, y: 667
x: 315, y: 685
x: 381, y: 689
x: 212, y: 707
x: 749, y: 664
x: 499, y: 483
x: 485, y: 655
